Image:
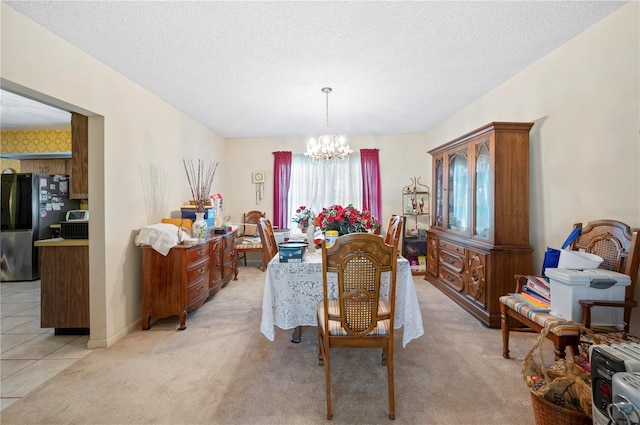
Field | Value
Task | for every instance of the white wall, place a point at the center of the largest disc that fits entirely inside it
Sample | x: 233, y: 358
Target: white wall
x: 401, y: 158
x: 129, y: 129
x: 584, y: 99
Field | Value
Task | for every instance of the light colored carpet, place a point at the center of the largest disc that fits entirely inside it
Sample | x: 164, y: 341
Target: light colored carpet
x: 222, y: 370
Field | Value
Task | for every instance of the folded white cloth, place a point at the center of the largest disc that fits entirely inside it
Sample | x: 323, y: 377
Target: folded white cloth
x: 162, y: 237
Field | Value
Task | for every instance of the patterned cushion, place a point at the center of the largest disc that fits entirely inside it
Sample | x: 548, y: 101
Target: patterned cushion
x: 543, y: 319
x: 335, y: 327
x: 248, y: 243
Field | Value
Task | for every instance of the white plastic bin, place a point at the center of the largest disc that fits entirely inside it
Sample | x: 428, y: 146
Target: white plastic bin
x: 578, y: 260
x: 569, y: 286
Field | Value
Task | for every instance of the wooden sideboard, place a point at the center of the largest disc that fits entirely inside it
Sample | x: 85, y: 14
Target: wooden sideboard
x: 183, y: 280
x: 229, y: 257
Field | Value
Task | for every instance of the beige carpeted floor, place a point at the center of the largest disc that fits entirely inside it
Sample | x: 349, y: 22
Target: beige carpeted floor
x: 222, y: 370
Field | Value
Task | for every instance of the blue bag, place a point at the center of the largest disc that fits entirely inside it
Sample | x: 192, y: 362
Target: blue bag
x: 552, y: 255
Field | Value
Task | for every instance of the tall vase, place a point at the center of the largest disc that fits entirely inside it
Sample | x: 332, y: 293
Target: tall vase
x: 199, y: 227
x: 311, y: 230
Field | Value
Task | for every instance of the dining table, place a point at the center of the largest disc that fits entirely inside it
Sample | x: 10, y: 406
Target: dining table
x: 292, y: 291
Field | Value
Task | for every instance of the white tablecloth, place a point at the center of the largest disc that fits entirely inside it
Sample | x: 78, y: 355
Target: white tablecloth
x: 292, y: 292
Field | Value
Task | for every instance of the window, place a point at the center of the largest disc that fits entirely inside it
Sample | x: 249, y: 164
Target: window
x: 317, y: 185
x: 356, y: 180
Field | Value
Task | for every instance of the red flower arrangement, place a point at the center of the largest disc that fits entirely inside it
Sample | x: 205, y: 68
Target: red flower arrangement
x: 346, y: 220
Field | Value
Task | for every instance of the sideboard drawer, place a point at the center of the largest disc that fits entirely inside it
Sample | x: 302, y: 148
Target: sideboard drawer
x: 452, y: 261
x: 451, y: 247
x: 195, y: 273
x: 452, y: 279
x: 200, y: 289
x: 228, y: 255
x: 198, y: 253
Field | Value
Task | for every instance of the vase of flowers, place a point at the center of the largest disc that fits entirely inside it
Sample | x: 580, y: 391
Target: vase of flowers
x: 200, y: 184
x: 346, y: 220
x: 199, y: 227
x: 303, y: 217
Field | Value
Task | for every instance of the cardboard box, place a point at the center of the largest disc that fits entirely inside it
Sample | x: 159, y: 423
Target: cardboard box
x: 190, y: 213
x: 569, y: 286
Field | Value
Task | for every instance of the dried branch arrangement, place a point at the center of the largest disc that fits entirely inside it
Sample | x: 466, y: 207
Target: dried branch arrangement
x: 200, y: 181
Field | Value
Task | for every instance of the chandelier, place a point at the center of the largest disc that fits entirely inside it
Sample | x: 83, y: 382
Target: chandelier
x: 327, y: 146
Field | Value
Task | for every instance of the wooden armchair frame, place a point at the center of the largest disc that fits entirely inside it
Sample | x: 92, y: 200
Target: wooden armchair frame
x: 619, y: 247
x: 249, y: 220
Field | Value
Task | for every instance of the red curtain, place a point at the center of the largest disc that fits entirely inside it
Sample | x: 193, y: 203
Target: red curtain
x: 281, y: 182
x: 371, y: 199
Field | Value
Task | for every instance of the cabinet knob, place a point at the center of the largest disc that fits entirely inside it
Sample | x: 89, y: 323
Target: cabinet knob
x: 201, y: 271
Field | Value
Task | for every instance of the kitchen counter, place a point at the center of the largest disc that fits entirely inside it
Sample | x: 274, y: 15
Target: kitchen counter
x: 64, y: 285
x: 62, y: 242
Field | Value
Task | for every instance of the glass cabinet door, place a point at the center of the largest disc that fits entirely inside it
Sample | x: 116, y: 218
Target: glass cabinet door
x: 438, y: 218
x: 458, y: 191
x: 482, y: 213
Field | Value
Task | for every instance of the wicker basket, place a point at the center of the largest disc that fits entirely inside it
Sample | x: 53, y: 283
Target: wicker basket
x: 563, y: 379
x: 547, y: 413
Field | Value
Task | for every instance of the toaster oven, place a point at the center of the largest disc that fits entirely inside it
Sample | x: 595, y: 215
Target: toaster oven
x: 74, y: 229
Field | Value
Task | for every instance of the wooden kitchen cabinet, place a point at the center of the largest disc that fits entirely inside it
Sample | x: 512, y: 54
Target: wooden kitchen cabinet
x: 58, y: 166
x: 64, y: 285
x: 79, y: 173
x: 479, y: 236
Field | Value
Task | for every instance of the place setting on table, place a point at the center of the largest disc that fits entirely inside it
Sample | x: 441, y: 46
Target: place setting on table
x: 294, y: 286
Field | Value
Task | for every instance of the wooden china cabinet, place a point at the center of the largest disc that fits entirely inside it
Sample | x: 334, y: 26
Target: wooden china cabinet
x: 479, y: 236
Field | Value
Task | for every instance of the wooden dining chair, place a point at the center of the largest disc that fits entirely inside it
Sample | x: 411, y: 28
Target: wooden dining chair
x: 248, y: 243
x: 268, y: 240
x: 619, y: 247
x: 394, y: 230
x: 357, y: 315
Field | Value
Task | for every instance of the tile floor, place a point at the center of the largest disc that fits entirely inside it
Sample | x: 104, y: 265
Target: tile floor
x: 30, y: 355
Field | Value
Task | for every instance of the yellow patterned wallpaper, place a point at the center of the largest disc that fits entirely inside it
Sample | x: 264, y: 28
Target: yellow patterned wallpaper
x: 32, y: 141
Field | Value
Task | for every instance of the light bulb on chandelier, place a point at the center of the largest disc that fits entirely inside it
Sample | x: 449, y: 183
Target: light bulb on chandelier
x: 327, y: 146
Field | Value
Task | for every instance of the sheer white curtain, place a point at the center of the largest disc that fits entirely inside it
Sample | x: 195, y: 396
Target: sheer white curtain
x: 321, y: 184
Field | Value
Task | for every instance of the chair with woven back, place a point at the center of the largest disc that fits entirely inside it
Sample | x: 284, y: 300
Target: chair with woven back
x: 358, y: 312
x: 268, y: 240
x: 619, y: 247
x: 394, y: 230
x: 249, y: 242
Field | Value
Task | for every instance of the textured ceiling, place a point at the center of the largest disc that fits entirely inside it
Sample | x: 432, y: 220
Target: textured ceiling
x: 256, y: 69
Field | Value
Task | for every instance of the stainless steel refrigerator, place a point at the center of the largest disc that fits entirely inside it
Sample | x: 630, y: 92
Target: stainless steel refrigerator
x: 30, y: 203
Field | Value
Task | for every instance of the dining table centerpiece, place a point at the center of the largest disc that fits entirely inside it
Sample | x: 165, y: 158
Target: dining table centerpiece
x: 346, y: 220
x: 304, y: 217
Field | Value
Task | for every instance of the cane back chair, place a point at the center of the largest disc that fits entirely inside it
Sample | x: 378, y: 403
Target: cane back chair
x: 357, y: 315
x: 620, y: 249
x: 249, y: 242
x: 268, y: 240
